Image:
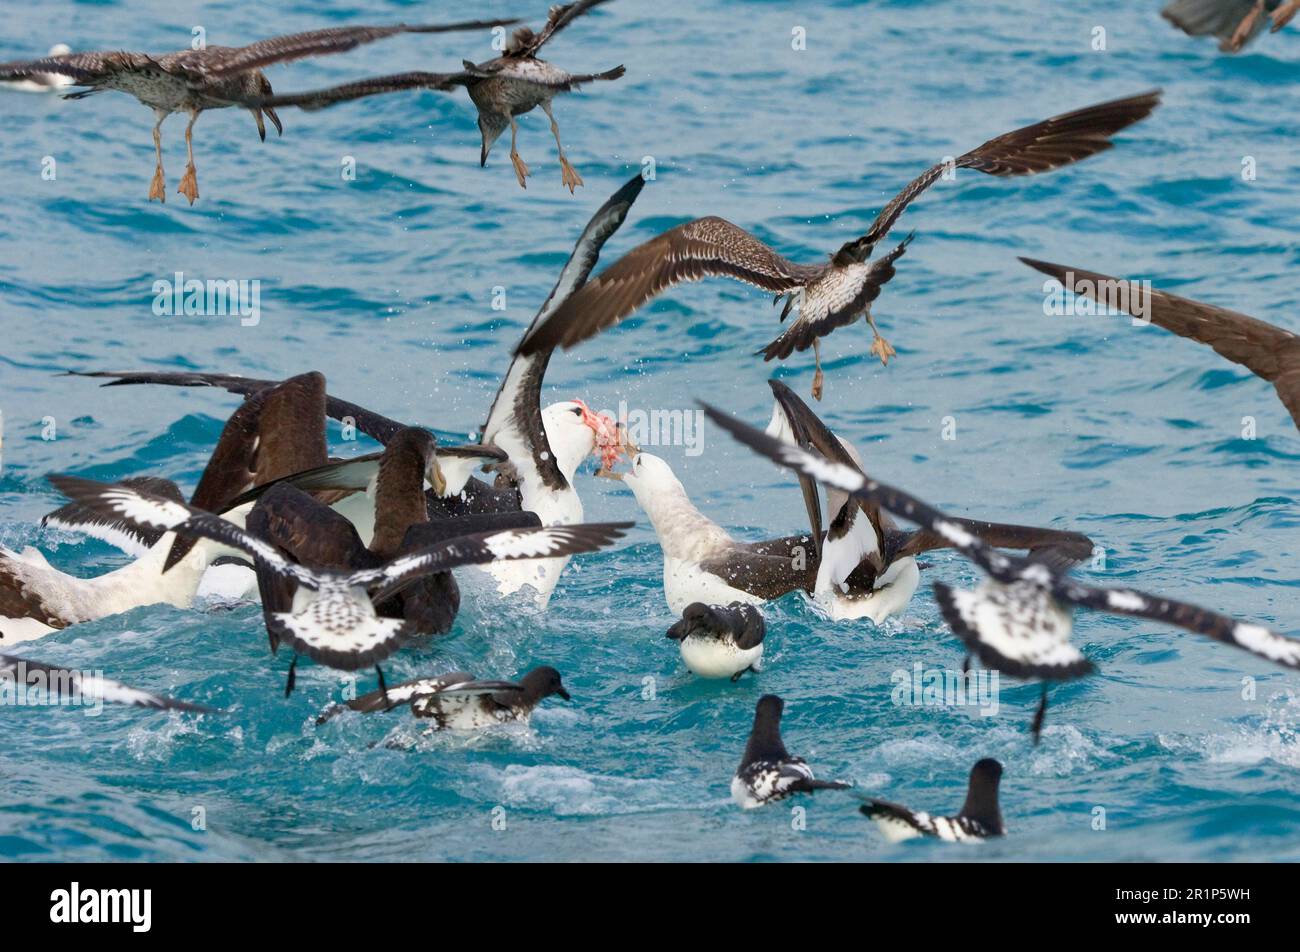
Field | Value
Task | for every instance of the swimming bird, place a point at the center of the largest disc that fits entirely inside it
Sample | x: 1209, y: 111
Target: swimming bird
x: 702, y: 562
x: 979, y: 819
x: 68, y: 686
x: 1234, y: 22
x: 212, y: 77
x: 42, y: 82
x: 1265, y: 350
x: 867, y: 565
x: 1020, y: 618
x: 332, y: 618
x: 277, y: 430
x: 719, y: 641
x: 458, y: 702
x: 841, y: 290
x: 544, y: 446
x: 512, y: 84
x: 767, y: 771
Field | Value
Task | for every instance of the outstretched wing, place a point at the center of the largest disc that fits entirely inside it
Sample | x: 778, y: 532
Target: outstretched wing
x: 1041, y: 147
x: 83, y: 687
x: 86, y: 69
x: 703, y: 248
x: 130, y: 537
x: 537, y: 543
x: 1056, y: 548
x: 560, y: 16
x: 227, y: 60
x: 1265, y: 350
x: 373, y: 86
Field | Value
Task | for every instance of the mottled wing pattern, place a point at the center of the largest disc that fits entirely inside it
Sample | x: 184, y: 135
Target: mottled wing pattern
x: 559, y: 17
x: 1265, y: 350
x: 705, y: 247
x: 1017, y: 628
x: 86, y: 69
x: 130, y: 537
x: 898, y: 823
x: 1040, y: 147
x: 69, y: 685
x: 839, y: 297
x: 339, y: 628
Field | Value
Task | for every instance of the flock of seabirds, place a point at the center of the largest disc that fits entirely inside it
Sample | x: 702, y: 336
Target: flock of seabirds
x: 353, y: 559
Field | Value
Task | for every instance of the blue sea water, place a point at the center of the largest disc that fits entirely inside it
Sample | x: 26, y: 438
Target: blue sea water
x: 386, y: 285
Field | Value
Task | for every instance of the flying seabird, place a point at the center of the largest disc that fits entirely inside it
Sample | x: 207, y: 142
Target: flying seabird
x: 65, y: 685
x: 1265, y: 350
x: 867, y: 566
x: 840, y: 291
x: 501, y: 89
x: 979, y: 819
x: 767, y: 771
x: 1020, y: 619
x: 213, y: 77
x: 1234, y: 22
x: 544, y: 446
x: 332, y: 618
x: 277, y: 430
x: 42, y: 82
x: 702, y: 562
x: 458, y: 702
x: 720, y: 641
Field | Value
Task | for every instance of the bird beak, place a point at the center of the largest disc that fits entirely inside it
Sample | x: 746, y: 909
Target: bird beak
x: 630, y: 448
x: 563, y: 693
x: 436, y: 478
x: 261, y: 126
x: 279, y: 129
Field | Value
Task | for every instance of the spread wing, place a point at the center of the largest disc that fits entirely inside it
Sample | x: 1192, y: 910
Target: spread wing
x: 560, y: 16
x: 1040, y: 147
x: 703, y: 248
x: 86, y: 69
x: 373, y: 86
x: 1056, y: 548
x: 130, y: 537
x: 225, y: 61
x: 1265, y: 350
x: 84, y: 687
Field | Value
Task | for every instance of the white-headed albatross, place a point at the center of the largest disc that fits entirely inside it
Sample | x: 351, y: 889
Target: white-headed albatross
x: 835, y: 293
x: 1020, y: 619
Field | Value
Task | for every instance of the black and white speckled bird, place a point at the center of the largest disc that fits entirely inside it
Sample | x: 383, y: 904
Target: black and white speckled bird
x: 1021, y: 618
x: 68, y: 686
x: 979, y: 819
x: 768, y: 772
x: 213, y: 77
x: 510, y: 85
x: 543, y: 446
x: 840, y: 291
x: 333, y: 618
x: 719, y: 641
x: 458, y: 702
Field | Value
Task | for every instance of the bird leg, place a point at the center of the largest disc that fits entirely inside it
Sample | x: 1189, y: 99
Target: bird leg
x: 1041, y: 713
x: 292, y: 678
x: 1246, y: 27
x: 818, y: 377
x: 1283, y: 14
x: 190, y: 180
x: 879, y: 346
x: 568, y: 174
x: 158, y: 188
x: 521, y: 170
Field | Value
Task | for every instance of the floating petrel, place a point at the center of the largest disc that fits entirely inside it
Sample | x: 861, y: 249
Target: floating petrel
x: 501, y: 89
x: 459, y: 702
x: 979, y: 819
x: 718, y: 641
x: 1265, y: 350
x: 768, y: 772
x: 840, y: 291
x: 213, y: 77
x: 1020, y: 619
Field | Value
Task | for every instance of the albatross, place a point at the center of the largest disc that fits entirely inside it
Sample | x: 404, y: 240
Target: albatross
x: 1019, y: 620
x: 1267, y: 351
x: 867, y: 565
x: 543, y: 446
x: 213, y: 77
x: 841, y: 290
x: 501, y: 89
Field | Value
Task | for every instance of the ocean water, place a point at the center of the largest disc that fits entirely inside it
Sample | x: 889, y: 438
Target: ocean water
x: 386, y: 285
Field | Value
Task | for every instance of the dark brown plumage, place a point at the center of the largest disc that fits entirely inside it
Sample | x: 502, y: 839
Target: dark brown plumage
x: 835, y: 293
x: 1266, y: 351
